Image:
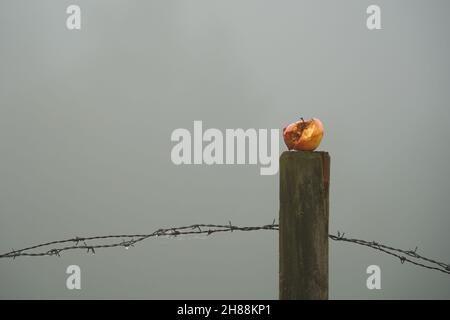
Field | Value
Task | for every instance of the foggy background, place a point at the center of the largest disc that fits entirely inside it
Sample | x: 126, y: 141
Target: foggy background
x: 86, y: 118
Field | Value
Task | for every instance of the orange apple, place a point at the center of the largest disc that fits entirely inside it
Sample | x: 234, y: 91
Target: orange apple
x: 303, y: 135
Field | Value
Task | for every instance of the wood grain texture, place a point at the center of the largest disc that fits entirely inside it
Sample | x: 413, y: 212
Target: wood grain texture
x: 304, y: 213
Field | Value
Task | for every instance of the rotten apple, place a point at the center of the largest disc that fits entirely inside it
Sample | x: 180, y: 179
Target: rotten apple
x: 303, y: 135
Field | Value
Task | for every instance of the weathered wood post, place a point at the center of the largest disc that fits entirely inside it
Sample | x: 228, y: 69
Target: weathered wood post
x: 304, y: 203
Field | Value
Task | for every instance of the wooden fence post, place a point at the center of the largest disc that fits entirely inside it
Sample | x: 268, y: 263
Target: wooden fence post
x: 303, y: 225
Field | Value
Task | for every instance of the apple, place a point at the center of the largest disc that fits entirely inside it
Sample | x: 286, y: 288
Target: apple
x: 303, y: 135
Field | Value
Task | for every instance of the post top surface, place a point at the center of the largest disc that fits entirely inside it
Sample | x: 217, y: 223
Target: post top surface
x: 303, y: 154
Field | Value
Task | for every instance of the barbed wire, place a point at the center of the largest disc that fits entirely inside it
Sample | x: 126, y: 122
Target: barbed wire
x: 90, y: 244
x: 402, y: 255
x: 127, y: 240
